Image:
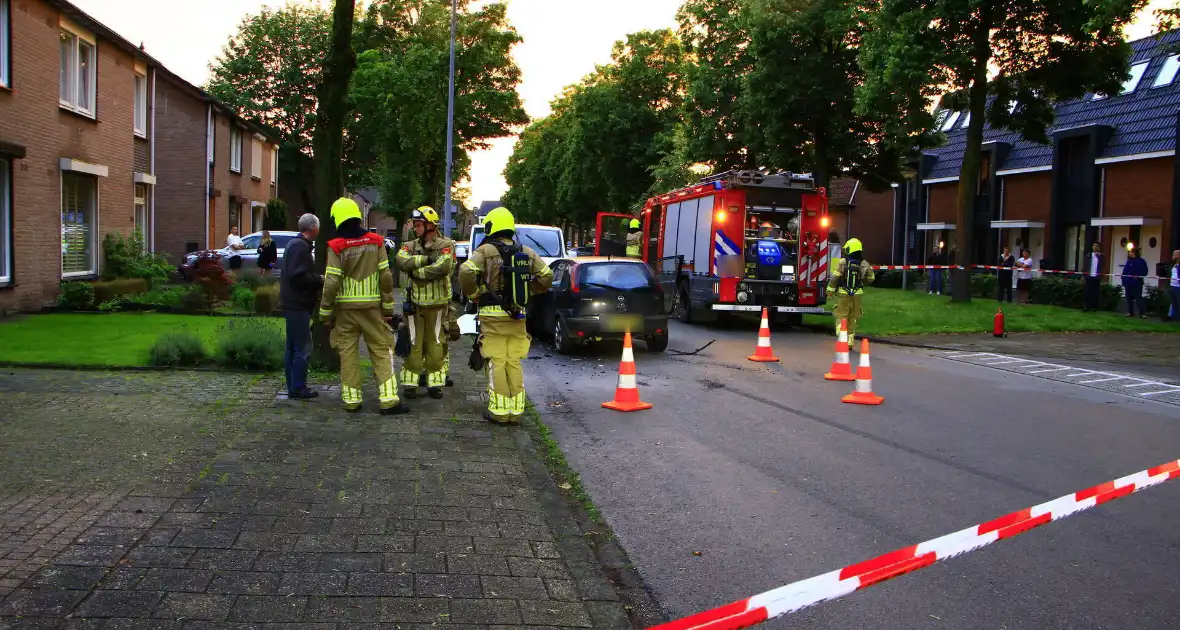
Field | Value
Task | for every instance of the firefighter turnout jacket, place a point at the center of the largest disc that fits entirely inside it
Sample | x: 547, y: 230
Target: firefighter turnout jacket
x: 852, y: 281
x: 635, y: 245
x: 483, y: 272
x: 357, y: 276
x: 428, y: 267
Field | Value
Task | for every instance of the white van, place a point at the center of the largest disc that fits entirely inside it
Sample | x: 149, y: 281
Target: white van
x: 546, y: 240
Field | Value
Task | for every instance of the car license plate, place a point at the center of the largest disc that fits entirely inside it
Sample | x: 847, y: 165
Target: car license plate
x: 623, y: 323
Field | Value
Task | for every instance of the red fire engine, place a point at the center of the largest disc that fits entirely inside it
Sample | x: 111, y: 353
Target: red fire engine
x: 737, y: 241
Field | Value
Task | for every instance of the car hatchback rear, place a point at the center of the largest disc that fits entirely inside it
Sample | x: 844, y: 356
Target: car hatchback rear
x: 605, y: 298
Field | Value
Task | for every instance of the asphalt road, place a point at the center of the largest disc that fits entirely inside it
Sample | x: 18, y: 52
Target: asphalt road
x: 764, y: 472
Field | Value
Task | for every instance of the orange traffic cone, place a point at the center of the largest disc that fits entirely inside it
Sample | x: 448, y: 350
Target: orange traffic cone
x: 864, y: 381
x: 763, y: 353
x: 627, y: 392
x: 841, y: 368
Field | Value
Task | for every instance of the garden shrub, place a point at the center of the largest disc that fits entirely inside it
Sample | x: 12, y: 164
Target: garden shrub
x: 250, y: 344
x: 195, y: 300
x: 243, y: 299
x: 1070, y: 292
x: 112, y: 305
x: 107, y: 290
x: 166, y: 296
x: 127, y: 257
x: 1156, y: 300
x: 985, y: 285
x: 77, y: 295
x: 266, y: 299
x: 276, y: 214
x: 177, y: 348
x: 248, y: 278
x: 211, y: 277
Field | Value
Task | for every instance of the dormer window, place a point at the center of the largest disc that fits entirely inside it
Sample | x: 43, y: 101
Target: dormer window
x: 949, y: 122
x: 1168, y: 72
x: 1130, y: 84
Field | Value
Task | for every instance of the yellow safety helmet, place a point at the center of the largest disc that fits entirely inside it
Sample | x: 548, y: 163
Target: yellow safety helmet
x: 344, y: 209
x: 425, y: 213
x: 634, y: 224
x: 498, y: 220
x: 853, y: 245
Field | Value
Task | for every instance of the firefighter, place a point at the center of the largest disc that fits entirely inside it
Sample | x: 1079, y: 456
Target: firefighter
x: 451, y: 328
x: 634, y: 240
x: 850, y: 274
x: 502, y: 295
x: 427, y: 262
x: 358, y: 302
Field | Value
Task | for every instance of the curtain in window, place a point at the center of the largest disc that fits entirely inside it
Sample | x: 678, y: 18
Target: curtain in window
x: 77, y: 223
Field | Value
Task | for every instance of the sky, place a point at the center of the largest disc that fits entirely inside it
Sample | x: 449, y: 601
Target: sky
x: 563, y: 41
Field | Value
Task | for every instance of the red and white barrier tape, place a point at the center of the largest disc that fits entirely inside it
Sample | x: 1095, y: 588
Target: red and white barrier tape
x: 999, y: 268
x: 799, y: 595
x: 911, y: 267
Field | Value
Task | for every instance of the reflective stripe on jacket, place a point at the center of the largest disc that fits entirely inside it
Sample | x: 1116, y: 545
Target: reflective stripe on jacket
x: 484, y: 271
x: 357, y: 275
x: 427, y: 268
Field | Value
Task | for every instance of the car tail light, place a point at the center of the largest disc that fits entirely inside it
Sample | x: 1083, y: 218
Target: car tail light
x: 581, y: 334
x: 574, y: 279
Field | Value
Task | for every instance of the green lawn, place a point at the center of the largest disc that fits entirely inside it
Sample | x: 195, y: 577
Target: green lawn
x: 896, y: 312
x: 117, y: 339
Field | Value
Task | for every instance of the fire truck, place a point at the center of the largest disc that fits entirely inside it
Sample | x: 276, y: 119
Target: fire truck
x: 736, y: 241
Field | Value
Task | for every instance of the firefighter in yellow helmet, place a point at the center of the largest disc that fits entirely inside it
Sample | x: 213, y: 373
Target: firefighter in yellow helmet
x: 850, y: 275
x: 427, y: 262
x: 499, y: 277
x: 634, y: 240
x: 358, y: 302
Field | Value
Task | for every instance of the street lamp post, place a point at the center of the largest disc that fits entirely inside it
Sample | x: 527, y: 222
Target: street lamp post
x: 449, y: 211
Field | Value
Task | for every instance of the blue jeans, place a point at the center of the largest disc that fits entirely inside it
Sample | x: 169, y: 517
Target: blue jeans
x: 1174, y: 300
x: 298, y: 349
x: 935, y: 282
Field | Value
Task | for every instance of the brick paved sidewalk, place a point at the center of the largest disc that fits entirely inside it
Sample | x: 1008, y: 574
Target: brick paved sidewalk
x: 186, y: 500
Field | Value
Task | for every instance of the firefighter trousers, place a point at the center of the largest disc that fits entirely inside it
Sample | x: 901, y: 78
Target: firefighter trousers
x: 350, y: 326
x: 427, y: 352
x: 504, y: 343
x: 848, y: 309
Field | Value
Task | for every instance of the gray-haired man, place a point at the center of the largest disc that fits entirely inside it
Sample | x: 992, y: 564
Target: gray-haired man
x: 299, y: 290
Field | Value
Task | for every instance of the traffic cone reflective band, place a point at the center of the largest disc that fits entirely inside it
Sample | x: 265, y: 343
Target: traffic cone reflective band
x: 841, y: 368
x: 763, y: 353
x: 864, y: 381
x: 627, y: 392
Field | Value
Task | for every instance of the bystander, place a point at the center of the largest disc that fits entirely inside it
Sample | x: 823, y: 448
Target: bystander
x: 299, y: 291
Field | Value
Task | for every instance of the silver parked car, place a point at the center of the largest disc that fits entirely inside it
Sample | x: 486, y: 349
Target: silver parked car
x: 247, y: 257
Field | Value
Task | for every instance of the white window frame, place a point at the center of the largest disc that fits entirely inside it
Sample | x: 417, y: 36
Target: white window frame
x: 256, y: 158
x: 1166, y: 75
x: 257, y: 217
x: 141, y: 105
x: 274, y: 165
x: 235, y: 149
x: 5, y: 44
x: 94, y: 228
x: 949, y: 122
x: 1137, y: 72
x: 72, y: 74
x: 5, y: 218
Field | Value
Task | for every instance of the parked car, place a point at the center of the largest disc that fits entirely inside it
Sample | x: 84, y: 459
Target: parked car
x: 546, y: 240
x: 602, y: 298
x: 247, y: 258
x: 583, y: 251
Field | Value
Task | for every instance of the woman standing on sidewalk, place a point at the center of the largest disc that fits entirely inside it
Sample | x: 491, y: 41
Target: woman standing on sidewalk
x: 1023, y: 276
x: 1133, y: 273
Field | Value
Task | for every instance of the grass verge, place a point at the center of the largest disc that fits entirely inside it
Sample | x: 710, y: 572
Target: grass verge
x: 896, y: 312
x: 568, y: 481
x: 115, y: 340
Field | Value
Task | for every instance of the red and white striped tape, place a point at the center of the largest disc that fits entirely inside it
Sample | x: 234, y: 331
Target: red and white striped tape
x: 911, y: 267
x: 799, y: 595
x: 998, y: 268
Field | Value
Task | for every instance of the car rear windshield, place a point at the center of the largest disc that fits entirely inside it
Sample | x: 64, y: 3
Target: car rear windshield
x: 624, y: 276
x: 545, y: 242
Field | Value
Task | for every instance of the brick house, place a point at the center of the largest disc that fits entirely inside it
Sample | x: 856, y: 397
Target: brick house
x: 216, y: 170
x: 857, y: 212
x: 76, y: 154
x: 1107, y: 175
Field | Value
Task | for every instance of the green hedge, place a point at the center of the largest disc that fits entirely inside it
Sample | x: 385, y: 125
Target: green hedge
x: 107, y: 290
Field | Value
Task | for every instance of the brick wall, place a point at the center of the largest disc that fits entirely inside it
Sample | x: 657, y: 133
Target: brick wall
x: 34, y: 120
x: 1140, y: 188
x: 235, y: 187
x: 872, y: 223
x: 181, y: 167
x: 1027, y: 197
x: 943, y: 200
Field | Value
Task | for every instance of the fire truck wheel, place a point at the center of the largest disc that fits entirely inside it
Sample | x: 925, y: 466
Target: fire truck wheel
x: 657, y: 343
x: 683, y: 307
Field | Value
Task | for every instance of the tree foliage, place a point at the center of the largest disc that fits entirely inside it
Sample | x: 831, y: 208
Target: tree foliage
x: 598, y: 149
x: 1005, y: 62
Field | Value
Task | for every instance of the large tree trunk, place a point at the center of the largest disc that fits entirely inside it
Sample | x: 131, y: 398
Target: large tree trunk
x: 964, y: 235
x: 328, y: 147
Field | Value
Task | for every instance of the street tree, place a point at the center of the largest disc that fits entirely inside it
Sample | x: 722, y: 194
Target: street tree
x: 270, y: 71
x: 1003, y: 61
x: 800, y: 93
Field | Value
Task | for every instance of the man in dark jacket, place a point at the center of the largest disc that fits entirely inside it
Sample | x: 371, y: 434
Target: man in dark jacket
x: 1133, y: 273
x: 1093, y: 267
x: 299, y: 291
x: 1004, y: 279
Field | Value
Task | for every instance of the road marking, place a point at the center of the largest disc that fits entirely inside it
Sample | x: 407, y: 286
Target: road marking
x: 1122, y: 384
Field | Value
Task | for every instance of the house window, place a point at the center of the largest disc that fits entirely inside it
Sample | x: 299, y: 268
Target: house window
x: 235, y: 215
x: 255, y: 159
x: 141, y: 105
x: 5, y: 221
x: 949, y: 123
x: 5, y: 45
x: 235, y: 149
x: 1165, y: 77
x: 141, y: 210
x: 257, y: 218
x: 79, y: 69
x: 79, y: 229
x: 1129, y: 85
x: 274, y: 165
